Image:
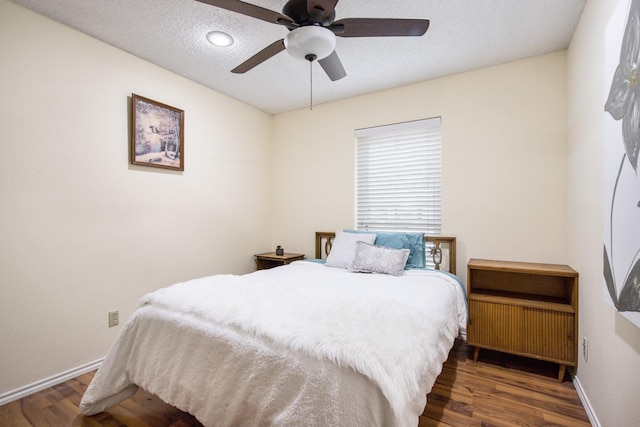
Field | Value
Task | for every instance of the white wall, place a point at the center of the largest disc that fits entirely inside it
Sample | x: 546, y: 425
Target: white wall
x: 503, y: 160
x: 81, y: 231
x: 609, y: 377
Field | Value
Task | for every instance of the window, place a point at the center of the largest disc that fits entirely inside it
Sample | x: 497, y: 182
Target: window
x: 398, y: 177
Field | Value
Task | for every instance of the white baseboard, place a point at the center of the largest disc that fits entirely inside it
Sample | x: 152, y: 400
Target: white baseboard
x: 585, y: 402
x: 37, y: 386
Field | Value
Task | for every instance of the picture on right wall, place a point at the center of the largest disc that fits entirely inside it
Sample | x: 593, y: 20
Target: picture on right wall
x: 622, y: 146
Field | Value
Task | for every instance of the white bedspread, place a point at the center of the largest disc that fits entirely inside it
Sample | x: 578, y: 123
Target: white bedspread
x: 394, y: 332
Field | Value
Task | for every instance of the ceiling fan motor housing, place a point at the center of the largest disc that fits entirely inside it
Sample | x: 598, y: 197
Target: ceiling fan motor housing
x: 310, y: 40
x: 304, y: 13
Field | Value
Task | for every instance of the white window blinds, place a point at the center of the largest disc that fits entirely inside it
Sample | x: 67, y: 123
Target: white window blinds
x: 398, y: 177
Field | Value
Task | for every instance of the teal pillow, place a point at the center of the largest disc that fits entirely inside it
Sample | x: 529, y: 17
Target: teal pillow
x: 417, y: 247
x: 400, y: 240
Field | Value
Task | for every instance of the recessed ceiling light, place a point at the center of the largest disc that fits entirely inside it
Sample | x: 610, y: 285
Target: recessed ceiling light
x: 218, y: 38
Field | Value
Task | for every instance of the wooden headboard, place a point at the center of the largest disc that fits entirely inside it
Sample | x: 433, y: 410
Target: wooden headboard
x: 435, y: 246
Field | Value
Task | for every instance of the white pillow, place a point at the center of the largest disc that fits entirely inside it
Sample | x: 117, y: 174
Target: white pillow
x: 379, y: 259
x: 343, y: 250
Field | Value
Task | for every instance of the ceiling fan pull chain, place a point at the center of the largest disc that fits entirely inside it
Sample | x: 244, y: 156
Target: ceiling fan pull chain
x: 310, y: 85
x: 310, y: 57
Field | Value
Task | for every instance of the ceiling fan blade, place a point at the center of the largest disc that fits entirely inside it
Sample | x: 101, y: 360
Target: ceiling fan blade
x: 333, y: 67
x: 257, y: 59
x: 379, y: 27
x: 326, y: 6
x: 250, y: 10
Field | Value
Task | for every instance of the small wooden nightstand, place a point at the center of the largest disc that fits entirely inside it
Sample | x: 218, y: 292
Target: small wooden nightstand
x: 270, y: 260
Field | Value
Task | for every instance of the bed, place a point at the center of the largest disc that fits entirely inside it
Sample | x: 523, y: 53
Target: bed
x: 307, y: 343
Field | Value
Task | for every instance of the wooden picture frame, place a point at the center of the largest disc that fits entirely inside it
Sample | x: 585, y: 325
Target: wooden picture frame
x: 157, y: 134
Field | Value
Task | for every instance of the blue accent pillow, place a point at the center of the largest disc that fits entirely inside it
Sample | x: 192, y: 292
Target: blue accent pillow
x: 399, y: 240
x: 417, y: 247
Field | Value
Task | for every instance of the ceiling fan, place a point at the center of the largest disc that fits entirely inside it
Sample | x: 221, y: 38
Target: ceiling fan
x: 313, y: 30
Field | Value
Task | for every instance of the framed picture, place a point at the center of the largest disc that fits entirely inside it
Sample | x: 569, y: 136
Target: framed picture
x: 157, y: 138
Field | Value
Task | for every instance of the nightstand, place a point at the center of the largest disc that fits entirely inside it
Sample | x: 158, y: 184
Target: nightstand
x: 270, y: 260
x: 522, y: 308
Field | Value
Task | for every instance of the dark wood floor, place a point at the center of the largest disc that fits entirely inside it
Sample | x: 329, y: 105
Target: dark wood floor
x: 499, y: 390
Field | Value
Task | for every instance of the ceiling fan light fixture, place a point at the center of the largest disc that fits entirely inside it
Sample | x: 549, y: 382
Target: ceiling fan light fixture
x: 310, y: 40
x: 220, y: 39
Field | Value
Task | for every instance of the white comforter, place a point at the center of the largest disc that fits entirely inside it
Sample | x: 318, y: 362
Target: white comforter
x: 350, y: 332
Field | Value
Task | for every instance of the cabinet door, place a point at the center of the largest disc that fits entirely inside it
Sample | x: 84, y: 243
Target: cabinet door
x: 493, y: 325
x: 548, y: 334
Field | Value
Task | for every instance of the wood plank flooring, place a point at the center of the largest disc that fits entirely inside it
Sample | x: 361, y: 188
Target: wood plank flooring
x: 501, y: 390
x: 498, y: 390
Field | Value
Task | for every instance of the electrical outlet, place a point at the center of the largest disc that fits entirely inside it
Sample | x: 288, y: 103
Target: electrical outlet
x: 585, y: 348
x: 114, y: 318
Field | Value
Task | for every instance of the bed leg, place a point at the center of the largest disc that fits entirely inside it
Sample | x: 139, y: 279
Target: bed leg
x: 476, y: 351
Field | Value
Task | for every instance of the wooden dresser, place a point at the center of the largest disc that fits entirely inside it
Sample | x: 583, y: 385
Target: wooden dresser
x: 524, y: 308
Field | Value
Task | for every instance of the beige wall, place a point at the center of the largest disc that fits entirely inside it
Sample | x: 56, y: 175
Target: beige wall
x: 503, y: 160
x: 81, y: 231
x: 609, y: 376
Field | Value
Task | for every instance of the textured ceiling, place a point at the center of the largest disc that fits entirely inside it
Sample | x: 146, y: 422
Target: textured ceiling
x: 464, y: 35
